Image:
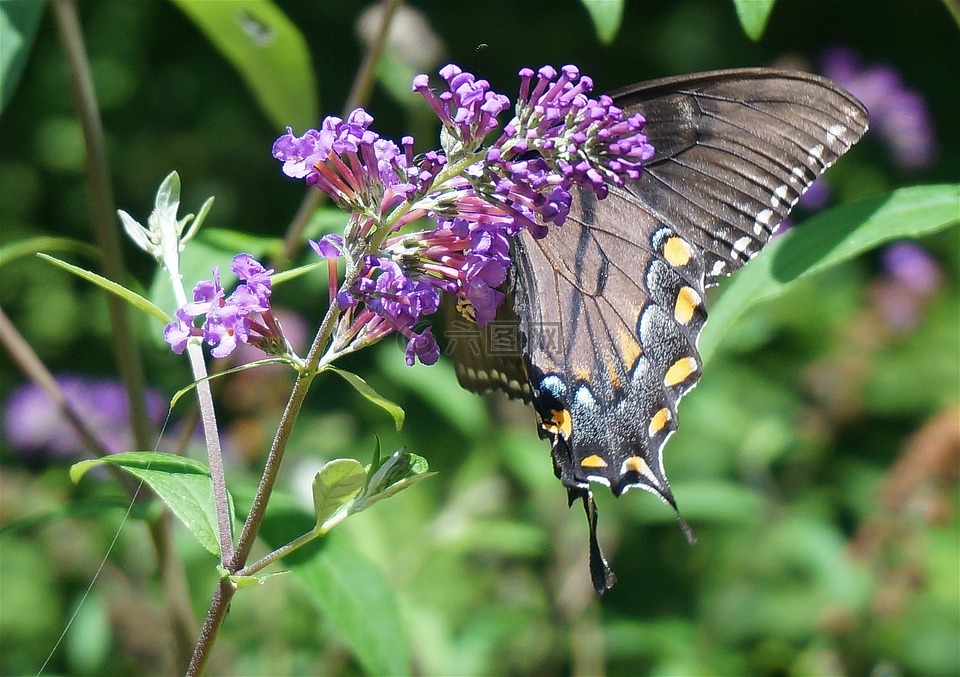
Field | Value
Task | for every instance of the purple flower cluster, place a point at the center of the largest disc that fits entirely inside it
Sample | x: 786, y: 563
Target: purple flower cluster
x: 897, y: 113
x: 347, y: 161
x: 479, y: 198
x: 468, y: 109
x: 911, y: 277
x: 230, y: 320
x: 587, y: 140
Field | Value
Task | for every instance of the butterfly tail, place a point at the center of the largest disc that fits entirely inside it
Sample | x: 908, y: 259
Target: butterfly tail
x: 601, y: 574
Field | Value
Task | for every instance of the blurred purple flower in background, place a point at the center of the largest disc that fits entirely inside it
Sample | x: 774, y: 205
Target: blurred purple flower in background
x: 912, y: 266
x: 910, y: 277
x: 36, y: 428
x: 897, y: 113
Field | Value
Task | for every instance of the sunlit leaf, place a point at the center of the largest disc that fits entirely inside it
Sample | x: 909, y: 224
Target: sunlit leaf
x: 337, y: 482
x: 827, y: 239
x: 400, y: 471
x: 182, y: 483
x: 268, y: 51
x: 359, y: 602
x: 364, y: 389
x: 606, y: 16
x: 753, y: 15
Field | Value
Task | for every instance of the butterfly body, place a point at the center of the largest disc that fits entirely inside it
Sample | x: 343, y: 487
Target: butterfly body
x: 609, y: 306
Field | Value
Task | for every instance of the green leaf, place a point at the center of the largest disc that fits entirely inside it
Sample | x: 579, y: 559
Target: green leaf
x: 269, y: 53
x: 829, y: 238
x: 19, y: 20
x: 35, y: 245
x: 293, y: 273
x: 397, y: 473
x: 753, y: 15
x: 358, y: 601
x: 337, y: 483
x: 364, y: 389
x: 606, y: 16
x: 233, y: 370
x: 182, y: 483
x: 127, y: 295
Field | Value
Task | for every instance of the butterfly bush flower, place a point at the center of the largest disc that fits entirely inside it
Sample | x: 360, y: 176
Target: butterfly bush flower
x: 243, y: 317
x: 475, y: 197
x: 898, y: 113
x: 37, y: 429
x: 911, y: 277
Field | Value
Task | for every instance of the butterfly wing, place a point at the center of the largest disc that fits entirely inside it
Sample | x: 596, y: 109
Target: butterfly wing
x: 623, y: 279
x: 611, y: 304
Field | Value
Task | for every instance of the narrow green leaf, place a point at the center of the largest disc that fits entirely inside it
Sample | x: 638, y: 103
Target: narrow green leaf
x: 364, y: 389
x: 829, y: 238
x: 269, y: 53
x: 359, y: 602
x: 182, y: 483
x: 127, y: 295
x: 19, y: 20
x: 375, y: 465
x: 337, y: 482
x: 233, y: 370
x: 753, y: 15
x: 394, y: 488
x: 35, y: 245
x: 606, y: 16
x: 293, y: 273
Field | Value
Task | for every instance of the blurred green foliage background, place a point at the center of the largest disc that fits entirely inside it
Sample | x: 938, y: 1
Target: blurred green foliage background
x: 817, y: 460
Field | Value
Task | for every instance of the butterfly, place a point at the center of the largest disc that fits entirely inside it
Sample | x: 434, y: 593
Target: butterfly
x: 606, y: 310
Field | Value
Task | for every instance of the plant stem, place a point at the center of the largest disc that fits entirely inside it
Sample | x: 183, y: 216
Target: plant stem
x: 211, y: 626
x: 251, y: 526
x: 280, y: 553
x: 208, y: 417
x: 103, y: 212
x: 103, y: 215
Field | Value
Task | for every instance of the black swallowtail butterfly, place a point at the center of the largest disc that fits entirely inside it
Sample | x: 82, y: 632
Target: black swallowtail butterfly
x: 610, y: 305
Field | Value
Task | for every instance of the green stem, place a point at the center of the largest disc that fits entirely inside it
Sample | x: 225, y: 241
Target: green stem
x: 224, y: 593
x: 280, y: 553
x: 103, y: 215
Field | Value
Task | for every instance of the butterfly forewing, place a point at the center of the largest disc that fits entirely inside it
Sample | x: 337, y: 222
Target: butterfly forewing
x: 734, y: 152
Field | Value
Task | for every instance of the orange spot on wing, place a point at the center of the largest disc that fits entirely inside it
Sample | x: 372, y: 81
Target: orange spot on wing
x: 560, y: 423
x: 677, y: 252
x: 680, y: 371
x: 687, y: 302
x: 593, y: 461
x: 659, y: 421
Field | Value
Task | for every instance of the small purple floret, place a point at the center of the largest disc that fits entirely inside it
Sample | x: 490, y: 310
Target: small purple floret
x: 229, y: 321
